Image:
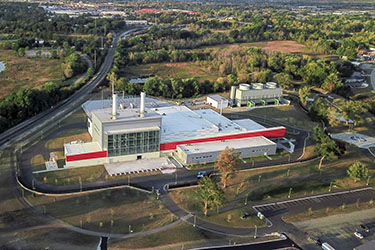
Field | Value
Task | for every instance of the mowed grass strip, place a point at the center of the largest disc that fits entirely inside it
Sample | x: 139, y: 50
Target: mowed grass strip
x: 340, y: 209
x: 38, y: 162
x: 286, y: 114
x: 115, y: 211
x: 233, y: 219
x: 22, y: 72
x: 67, y: 137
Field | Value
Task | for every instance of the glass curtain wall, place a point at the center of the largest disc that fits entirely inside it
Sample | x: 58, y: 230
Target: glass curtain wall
x: 133, y: 143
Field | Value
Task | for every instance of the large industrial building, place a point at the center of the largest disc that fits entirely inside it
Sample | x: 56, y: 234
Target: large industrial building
x: 142, y: 128
x: 255, y: 94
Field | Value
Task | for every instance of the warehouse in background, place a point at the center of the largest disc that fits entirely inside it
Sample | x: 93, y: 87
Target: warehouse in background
x: 131, y: 129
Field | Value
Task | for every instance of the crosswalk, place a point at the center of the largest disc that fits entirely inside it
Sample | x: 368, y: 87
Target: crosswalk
x: 318, y: 201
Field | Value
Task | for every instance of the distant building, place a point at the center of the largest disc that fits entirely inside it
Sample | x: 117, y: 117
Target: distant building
x: 217, y: 101
x: 255, y: 94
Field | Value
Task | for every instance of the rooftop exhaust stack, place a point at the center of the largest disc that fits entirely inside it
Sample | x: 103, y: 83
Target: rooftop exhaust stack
x: 142, y: 107
x: 114, y: 106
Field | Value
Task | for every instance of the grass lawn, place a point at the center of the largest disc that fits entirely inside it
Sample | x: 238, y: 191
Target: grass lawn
x: 72, y: 176
x: 38, y: 163
x: 341, y: 209
x: 183, y: 236
x: 286, y: 114
x: 107, y: 211
x: 274, y: 183
x: 22, y: 72
x: 171, y: 70
x: 78, y: 116
x: 233, y: 218
x: 68, y: 136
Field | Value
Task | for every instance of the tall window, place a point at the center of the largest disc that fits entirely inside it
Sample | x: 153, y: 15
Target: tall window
x: 133, y: 143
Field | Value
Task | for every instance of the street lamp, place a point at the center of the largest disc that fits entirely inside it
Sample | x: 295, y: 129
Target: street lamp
x: 290, y: 192
x: 255, y: 233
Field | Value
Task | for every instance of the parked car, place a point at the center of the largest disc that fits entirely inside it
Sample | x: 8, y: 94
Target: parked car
x: 358, y: 235
x: 202, y: 174
x: 365, y: 227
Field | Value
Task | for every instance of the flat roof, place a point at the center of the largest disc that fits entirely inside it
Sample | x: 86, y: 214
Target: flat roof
x: 217, y: 98
x: 93, y: 105
x: 249, y: 124
x: 105, y: 115
x: 206, y: 147
x: 81, y: 148
x: 180, y: 123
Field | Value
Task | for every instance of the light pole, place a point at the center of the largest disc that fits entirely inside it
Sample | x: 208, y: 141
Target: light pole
x: 175, y: 182
x: 259, y: 179
x: 195, y: 220
x: 368, y: 180
x: 246, y: 201
x: 80, y: 184
x: 255, y: 233
x: 33, y: 184
x: 330, y: 186
x: 287, y: 173
x: 290, y: 192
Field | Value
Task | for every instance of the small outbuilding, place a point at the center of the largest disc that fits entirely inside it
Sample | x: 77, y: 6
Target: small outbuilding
x: 217, y: 101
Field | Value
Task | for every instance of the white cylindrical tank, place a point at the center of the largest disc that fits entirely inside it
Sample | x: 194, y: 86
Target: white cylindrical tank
x: 142, y: 106
x: 244, y: 86
x: 114, y: 106
x: 257, y: 85
x: 233, y: 92
x: 271, y: 85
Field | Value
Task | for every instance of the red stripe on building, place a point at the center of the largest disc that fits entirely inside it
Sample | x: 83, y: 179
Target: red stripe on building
x: 86, y: 156
x: 269, y: 133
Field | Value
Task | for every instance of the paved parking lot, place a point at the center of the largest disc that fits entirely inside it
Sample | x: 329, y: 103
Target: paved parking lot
x: 300, y: 205
x: 338, y: 230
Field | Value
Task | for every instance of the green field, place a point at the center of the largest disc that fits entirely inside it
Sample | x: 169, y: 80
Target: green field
x: 171, y: 71
x: 22, y: 72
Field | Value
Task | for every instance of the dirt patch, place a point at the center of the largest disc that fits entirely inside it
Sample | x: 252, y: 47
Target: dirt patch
x: 284, y: 47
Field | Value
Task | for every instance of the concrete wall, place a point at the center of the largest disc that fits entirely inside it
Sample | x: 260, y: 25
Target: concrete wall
x: 133, y: 157
x: 147, y: 122
x: 217, y: 104
x: 86, y: 163
x: 196, y: 158
x: 243, y: 96
x: 97, y: 130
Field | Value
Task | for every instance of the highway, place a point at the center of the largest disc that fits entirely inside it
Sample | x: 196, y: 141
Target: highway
x: 36, y: 123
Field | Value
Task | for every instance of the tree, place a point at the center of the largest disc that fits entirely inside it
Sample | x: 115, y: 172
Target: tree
x: 304, y: 93
x: 283, y: 79
x: 357, y: 171
x: 353, y: 110
x: 325, y: 147
x: 226, y: 164
x: 211, y: 195
x: 332, y: 82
